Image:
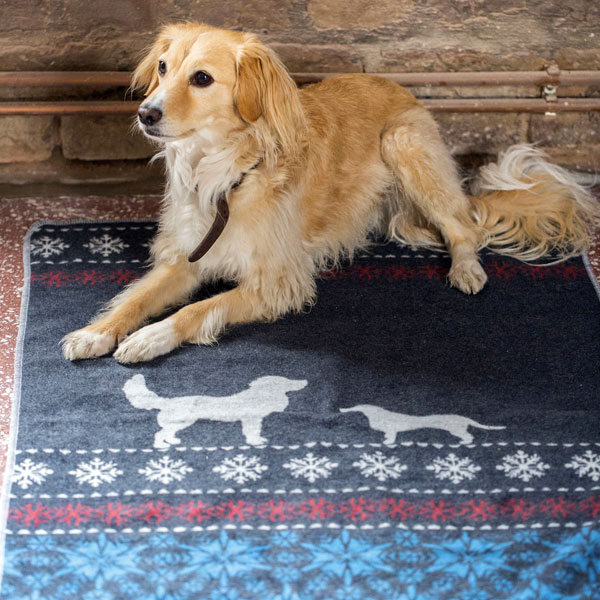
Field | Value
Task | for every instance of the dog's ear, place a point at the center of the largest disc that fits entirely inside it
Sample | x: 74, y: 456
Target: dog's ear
x: 145, y: 76
x: 265, y: 89
x: 248, y: 89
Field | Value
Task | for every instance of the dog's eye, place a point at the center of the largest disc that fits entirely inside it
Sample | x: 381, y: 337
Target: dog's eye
x: 201, y: 79
x: 162, y: 67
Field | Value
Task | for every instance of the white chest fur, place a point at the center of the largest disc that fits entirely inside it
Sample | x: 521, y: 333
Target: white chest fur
x: 198, y: 174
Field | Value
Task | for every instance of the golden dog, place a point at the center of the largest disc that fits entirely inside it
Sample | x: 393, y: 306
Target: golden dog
x: 308, y: 174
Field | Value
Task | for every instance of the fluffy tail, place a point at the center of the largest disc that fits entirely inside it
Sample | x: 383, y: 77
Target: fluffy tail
x: 358, y: 408
x: 530, y: 208
x: 473, y: 423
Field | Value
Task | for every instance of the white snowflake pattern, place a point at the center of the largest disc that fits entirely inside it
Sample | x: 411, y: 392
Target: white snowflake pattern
x: 165, y: 470
x: 310, y: 467
x: 586, y: 464
x: 523, y: 466
x: 46, y: 246
x: 28, y: 473
x: 240, y: 468
x: 379, y: 466
x: 106, y: 245
x: 96, y: 472
x: 453, y: 468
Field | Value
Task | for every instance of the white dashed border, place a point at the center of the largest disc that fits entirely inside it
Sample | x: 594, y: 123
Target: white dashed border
x: 336, y: 526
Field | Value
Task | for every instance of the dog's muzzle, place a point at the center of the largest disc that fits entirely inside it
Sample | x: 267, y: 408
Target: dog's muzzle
x: 149, y: 116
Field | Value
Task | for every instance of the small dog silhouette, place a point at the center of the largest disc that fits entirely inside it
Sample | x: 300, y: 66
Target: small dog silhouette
x: 392, y: 423
x: 264, y: 396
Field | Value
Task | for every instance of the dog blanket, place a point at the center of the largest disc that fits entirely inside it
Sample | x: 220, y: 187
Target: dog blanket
x: 399, y: 441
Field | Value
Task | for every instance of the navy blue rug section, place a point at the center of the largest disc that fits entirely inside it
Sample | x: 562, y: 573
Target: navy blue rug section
x: 400, y: 440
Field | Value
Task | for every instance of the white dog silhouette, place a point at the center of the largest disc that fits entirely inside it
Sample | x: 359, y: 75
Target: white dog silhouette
x: 264, y: 396
x: 392, y: 423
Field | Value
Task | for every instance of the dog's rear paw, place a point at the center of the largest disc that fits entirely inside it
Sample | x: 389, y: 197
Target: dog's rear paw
x: 147, y: 343
x: 468, y: 276
x: 86, y: 343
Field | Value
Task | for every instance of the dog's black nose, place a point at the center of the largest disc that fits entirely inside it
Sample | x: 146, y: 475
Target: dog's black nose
x: 149, y: 116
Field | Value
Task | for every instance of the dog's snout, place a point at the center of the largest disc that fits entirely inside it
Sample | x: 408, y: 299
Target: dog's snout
x: 149, y: 115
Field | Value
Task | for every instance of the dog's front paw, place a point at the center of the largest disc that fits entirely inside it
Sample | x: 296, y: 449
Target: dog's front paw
x: 147, y: 343
x: 87, y: 343
x: 468, y: 276
x: 257, y: 441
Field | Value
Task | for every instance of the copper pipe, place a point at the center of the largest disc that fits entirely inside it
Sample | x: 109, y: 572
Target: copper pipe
x: 483, y: 78
x: 524, y: 105
x: 65, y: 78
x: 69, y: 108
x: 551, y: 76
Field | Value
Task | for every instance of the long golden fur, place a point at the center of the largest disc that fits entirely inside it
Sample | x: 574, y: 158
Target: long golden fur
x: 336, y: 161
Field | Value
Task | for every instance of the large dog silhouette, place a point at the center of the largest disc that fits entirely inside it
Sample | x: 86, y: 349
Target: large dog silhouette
x: 264, y: 396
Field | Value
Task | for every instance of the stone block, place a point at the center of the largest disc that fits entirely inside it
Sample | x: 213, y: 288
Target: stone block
x: 433, y: 56
x: 27, y: 138
x: 582, y: 157
x: 565, y: 129
x: 570, y: 139
x: 103, y: 138
x: 357, y: 14
x: 578, y: 58
x: 57, y: 169
x: 481, y: 133
x: 67, y: 34
x: 260, y: 16
x: 328, y: 59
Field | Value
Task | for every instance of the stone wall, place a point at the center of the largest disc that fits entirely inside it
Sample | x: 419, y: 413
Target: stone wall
x: 310, y: 35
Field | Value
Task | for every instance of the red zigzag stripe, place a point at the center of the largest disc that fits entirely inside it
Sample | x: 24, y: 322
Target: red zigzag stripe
x: 85, y: 277
x: 312, y: 509
x: 361, y: 272
x: 495, y: 269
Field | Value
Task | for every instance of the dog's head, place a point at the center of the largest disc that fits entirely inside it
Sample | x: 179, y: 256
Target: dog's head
x: 134, y: 383
x: 213, y: 82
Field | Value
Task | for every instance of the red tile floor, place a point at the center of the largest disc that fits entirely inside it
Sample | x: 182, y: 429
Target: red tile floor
x: 16, y: 216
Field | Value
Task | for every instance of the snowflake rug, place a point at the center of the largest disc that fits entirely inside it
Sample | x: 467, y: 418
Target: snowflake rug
x: 399, y: 441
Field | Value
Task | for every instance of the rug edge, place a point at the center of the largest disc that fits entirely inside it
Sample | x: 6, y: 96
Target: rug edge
x: 16, y: 395
x: 590, y: 271
x: 13, y: 432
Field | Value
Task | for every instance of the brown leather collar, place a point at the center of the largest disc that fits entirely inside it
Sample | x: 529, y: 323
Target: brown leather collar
x: 221, y: 218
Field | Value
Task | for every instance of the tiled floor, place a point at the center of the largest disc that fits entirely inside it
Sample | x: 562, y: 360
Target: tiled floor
x: 16, y: 216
